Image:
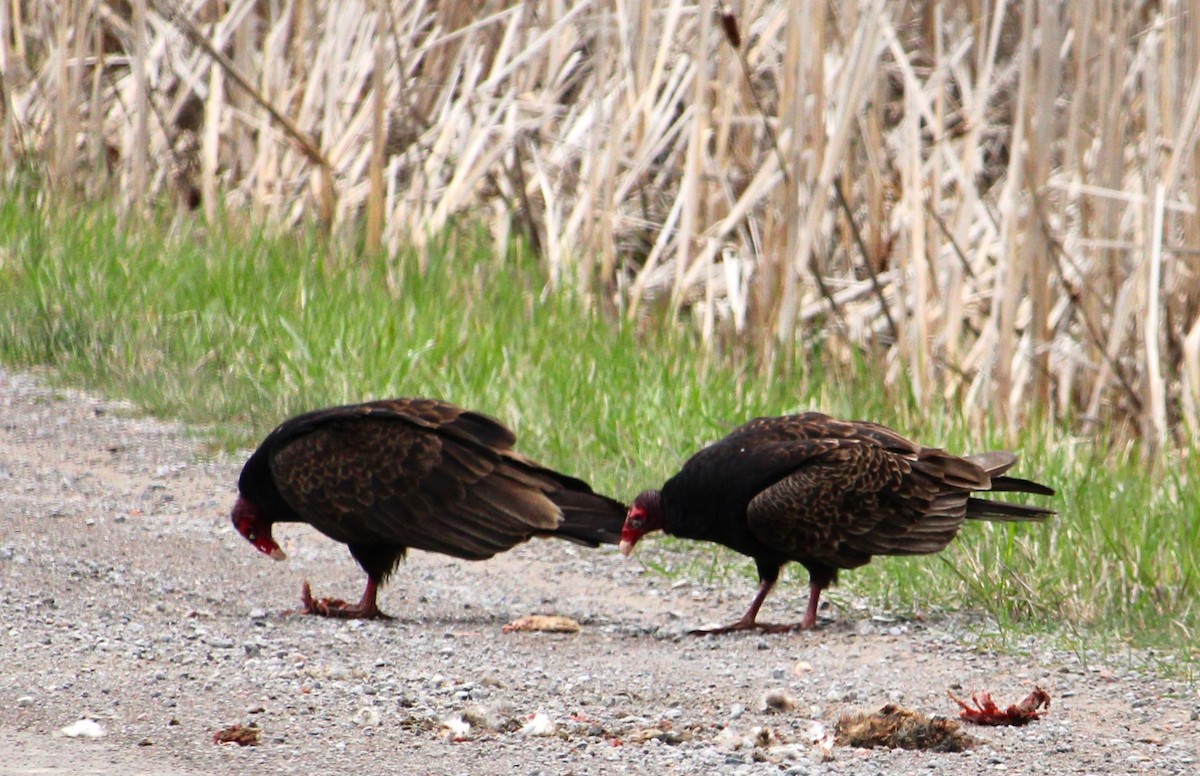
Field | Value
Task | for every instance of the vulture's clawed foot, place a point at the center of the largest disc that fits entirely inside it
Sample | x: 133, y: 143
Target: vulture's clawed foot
x: 751, y: 625
x: 365, y: 609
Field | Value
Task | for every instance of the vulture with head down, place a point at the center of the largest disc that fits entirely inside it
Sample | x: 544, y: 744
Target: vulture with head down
x: 386, y: 476
x: 828, y: 494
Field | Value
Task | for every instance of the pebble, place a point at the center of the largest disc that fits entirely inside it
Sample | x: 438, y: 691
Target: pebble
x: 84, y: 728
x: 539, y: 724
x: 367, y: 717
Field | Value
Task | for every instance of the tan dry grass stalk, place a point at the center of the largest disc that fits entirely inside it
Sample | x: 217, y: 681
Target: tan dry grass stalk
x: 997, y: 199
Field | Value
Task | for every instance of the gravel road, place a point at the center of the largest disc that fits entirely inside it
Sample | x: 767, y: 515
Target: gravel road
x: 129, y: 600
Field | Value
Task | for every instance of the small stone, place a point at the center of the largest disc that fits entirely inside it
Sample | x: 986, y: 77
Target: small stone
x: 25, y: 701
x: 459, y: 729
x: 736, y: 711
x: 728, y: 738
x: 539, y: 725
x: 367, y: 717
x: 84, y: 728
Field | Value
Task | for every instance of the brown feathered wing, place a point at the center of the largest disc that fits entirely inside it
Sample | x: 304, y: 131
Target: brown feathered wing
x: 421, y: 474
x: 856, y: 489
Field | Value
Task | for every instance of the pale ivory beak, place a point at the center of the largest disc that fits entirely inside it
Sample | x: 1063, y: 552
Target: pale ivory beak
x: 626, y: 547
x: 278, y: 554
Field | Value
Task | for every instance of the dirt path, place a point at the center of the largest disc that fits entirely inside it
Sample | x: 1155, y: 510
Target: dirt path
x: 128, y: 600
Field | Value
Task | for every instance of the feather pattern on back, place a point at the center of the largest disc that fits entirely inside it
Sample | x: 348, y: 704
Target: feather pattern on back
x: 832, y: 493
x: 419, y: 473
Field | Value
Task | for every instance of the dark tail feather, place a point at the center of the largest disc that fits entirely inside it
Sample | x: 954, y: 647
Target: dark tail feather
x: 589, y: 518
x: 982, y: 509
x: 1018, y: 485
x: 996, y: 463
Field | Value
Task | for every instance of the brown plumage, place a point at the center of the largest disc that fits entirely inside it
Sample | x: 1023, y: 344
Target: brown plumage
x: 828, y: 494
x: 388, y: 475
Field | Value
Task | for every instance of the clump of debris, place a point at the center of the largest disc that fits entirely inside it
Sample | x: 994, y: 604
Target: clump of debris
x: 896, y: 727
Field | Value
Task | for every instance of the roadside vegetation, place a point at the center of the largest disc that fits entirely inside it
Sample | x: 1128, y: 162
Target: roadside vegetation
x: 995, y: 200
x: 232, y: 328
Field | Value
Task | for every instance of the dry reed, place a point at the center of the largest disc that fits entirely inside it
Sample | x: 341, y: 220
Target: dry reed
x: 995, y: 198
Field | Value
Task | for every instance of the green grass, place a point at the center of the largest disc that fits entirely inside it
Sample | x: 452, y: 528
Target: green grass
x: 233, y: 329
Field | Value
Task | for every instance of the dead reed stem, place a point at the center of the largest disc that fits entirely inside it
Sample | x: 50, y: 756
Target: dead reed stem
x: 997, y: 200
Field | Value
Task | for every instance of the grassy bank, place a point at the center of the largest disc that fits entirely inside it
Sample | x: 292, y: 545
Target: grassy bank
x: 1018, y: 219
x: 233, y: 329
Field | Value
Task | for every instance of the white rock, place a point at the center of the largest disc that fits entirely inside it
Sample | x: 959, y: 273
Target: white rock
x: 84, y: 728
x: 367, y: 717
x: 458, y: 727
x: 539, y: 725
x: 729, y: 739
x: 788, y: 752
x: 25, y: 701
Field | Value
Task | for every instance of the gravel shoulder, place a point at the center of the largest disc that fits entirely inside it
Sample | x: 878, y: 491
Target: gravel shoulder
x: 129, y: 600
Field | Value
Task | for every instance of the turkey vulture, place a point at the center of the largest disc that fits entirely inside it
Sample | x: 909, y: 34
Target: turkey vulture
x: 828, y: 494
x: 388, y: 475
